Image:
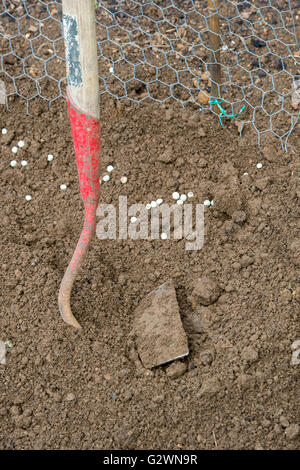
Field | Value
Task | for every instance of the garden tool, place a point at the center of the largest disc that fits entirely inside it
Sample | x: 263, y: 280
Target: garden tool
x: 84, y: 113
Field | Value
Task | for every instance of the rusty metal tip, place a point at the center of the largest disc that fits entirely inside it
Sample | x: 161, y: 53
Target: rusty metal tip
x: 67, y: 315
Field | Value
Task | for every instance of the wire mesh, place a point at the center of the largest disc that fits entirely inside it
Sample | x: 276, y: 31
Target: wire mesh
x: 161, y: 50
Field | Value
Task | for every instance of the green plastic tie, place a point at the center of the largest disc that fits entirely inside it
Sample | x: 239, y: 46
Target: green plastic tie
x: 222, y: 110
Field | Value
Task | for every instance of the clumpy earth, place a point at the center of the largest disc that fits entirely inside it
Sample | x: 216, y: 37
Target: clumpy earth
x: 238, y: 296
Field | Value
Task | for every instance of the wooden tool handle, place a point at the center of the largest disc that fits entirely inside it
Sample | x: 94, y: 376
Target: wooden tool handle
x: 81, y: 55
x: 84, y: 113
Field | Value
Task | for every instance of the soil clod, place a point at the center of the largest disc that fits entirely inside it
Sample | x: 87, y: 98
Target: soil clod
x: 206, y: 291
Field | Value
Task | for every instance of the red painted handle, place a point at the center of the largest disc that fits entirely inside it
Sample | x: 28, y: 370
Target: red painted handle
x: 86, y: 137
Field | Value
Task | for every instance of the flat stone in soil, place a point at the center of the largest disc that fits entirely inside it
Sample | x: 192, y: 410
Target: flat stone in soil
x: 157, y: 328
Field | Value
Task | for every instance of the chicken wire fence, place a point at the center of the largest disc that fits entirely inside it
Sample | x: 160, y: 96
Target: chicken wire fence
x: 166, y: 50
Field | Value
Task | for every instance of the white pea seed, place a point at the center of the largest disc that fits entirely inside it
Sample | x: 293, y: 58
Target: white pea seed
x: 175, y: 195
x: 159, y: 201
x: 63, y: 187
x: 106, y: 178
x: 4, y: 131
x: 14, y: 150
x: 245, y: 174
x: 148, y: 207
x: 21, y: 144
x: 164, y: 236
x: 190, y: 194
x: 111, y: 69
x: 124, y: 179
x: 13, y: 163
x: 183, y: 197
x: 259, y: 165
x: 50, y: 158
x: 179, y: 202
x: 110, y: 168
x: 206, y: 203
x: 212, y: 202
x: 28, y: 197
x: 23, y: 162
x: 133, y: 220
x: 153, y: 203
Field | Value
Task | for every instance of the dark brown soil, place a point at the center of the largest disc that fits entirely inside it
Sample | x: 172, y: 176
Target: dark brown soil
x: 64, y: 389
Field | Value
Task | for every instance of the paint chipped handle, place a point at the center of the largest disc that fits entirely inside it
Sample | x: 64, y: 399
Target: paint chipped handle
x: 81, y: 55
x: 84, y: 112
x: 86, y: 138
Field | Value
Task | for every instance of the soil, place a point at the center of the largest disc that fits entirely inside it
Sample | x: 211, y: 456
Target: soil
x: 238, y: 296
x: 67, y: 389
